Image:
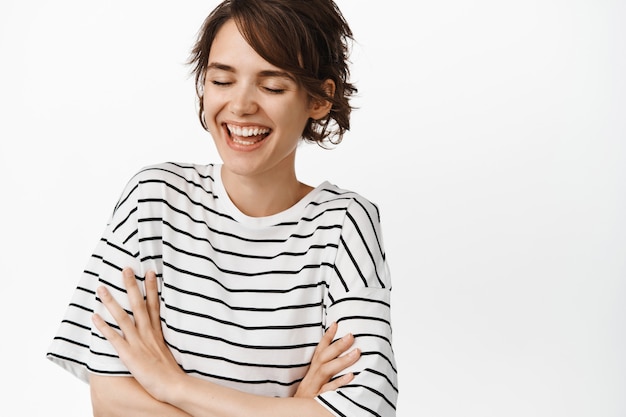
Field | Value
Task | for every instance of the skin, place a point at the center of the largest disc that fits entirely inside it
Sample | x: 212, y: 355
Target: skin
x: 242, y: 91
x: 160, y: 387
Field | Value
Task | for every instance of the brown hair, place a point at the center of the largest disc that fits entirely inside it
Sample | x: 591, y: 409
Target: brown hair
x: 307, y: 38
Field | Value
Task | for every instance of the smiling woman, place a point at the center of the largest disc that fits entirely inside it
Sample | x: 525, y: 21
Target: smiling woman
x: 244, y: 93
x: 236, y: 281
x: 308, y: 47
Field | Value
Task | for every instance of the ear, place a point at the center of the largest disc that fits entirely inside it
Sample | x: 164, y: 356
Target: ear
x: 320, y: 108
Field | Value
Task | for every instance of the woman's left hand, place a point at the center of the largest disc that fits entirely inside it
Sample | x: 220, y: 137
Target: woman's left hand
x: 141, y: 347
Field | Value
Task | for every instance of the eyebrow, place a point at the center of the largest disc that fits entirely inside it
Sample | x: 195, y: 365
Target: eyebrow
x: 263, y: 74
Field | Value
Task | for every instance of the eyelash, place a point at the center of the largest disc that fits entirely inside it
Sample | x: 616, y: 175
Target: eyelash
x: 274, y: 90
x: 268, y: 89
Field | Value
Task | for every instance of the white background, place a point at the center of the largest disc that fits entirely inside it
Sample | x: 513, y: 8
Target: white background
x: 492, y: 135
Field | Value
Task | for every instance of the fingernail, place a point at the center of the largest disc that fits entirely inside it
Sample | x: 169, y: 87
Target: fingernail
x: 354, y: 353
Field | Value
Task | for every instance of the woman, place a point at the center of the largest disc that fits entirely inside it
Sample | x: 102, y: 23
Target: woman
x: 249, y: 273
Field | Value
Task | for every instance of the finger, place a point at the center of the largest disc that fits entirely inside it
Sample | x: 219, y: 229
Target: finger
x: 330, y: 333
x: 327, y: 338
x: 152, y: 300
x: 117, y: 312
x: 330, y: 362
x: 336, y: 348
x: 337, y: 383
x: 108, y: 332
x: 341, y: 363
x: 135, y: 297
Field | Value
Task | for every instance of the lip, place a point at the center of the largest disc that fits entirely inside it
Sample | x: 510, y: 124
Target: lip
x: 244, y: 124
x: 241, y: 147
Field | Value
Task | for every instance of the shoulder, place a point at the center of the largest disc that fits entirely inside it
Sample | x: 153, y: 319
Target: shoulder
x: 355, y: 204
x: 174, y: 172
x: 151, y: 179
x: 180, y: 175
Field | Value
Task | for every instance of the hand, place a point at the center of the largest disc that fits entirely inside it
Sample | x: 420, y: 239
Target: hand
x: 141, y: 347
x: 326, y: 363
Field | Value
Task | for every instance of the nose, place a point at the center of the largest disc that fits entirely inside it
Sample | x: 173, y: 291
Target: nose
x: 243, y: 101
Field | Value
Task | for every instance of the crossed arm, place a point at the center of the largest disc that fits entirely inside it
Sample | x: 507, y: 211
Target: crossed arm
x: 159, y: 387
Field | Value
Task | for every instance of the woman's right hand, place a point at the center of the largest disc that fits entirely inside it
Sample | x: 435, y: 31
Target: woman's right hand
x: 326, y: 363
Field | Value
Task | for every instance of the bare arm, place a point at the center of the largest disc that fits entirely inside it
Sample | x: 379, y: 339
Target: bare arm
x: 160, y: 387
x: 114, y: 396
x: 202, y: 398
x: 119, y: 396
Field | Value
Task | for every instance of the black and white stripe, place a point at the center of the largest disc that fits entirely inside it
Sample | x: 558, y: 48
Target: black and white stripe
x: 244, y: 301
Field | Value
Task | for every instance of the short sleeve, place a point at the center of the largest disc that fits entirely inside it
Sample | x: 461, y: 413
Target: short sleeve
x: 77, y: 346
x: 359, y: 300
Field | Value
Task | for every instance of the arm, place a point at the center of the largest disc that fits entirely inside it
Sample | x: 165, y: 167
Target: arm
x: 160, y: 386
x: 123, y: 396
x: 118, y: 395
x: 359, y: 300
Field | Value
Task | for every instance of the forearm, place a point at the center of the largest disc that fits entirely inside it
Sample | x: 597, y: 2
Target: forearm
x: 113, y: 396
x: 158, y: 380
x: 202, y: 398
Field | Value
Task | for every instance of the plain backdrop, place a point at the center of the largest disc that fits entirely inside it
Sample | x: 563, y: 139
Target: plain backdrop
x: 492, y: 135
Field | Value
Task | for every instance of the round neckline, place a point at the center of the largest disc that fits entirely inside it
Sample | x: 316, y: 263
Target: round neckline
x: 288, y: 214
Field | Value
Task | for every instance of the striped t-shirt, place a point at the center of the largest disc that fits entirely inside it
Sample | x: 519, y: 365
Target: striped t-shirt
x: 244, y: 300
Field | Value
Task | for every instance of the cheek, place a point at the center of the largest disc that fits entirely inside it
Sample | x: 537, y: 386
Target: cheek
x: 292, y: 115
x: 210, y: 106
x: 297, y: 120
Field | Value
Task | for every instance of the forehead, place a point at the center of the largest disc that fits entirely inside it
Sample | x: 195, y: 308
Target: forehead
x: 229, y: 47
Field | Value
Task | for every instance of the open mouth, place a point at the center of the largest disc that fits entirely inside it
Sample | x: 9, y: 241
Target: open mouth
x: 248, y: 135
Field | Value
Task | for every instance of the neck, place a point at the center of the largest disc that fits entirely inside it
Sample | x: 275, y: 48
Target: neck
x: 264, y: 195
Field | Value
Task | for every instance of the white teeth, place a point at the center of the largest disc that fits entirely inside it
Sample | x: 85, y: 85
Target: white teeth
x: 244, y: 142
x: 247, y: 131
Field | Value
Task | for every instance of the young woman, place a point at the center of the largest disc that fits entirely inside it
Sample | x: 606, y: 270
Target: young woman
x: 217, y: 289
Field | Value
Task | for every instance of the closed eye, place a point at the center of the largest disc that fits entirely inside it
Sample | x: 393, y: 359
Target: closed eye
x: 220, y: 83
x: 274, y: 90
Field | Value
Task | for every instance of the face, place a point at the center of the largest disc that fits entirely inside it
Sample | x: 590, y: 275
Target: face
x: 255, y: 111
